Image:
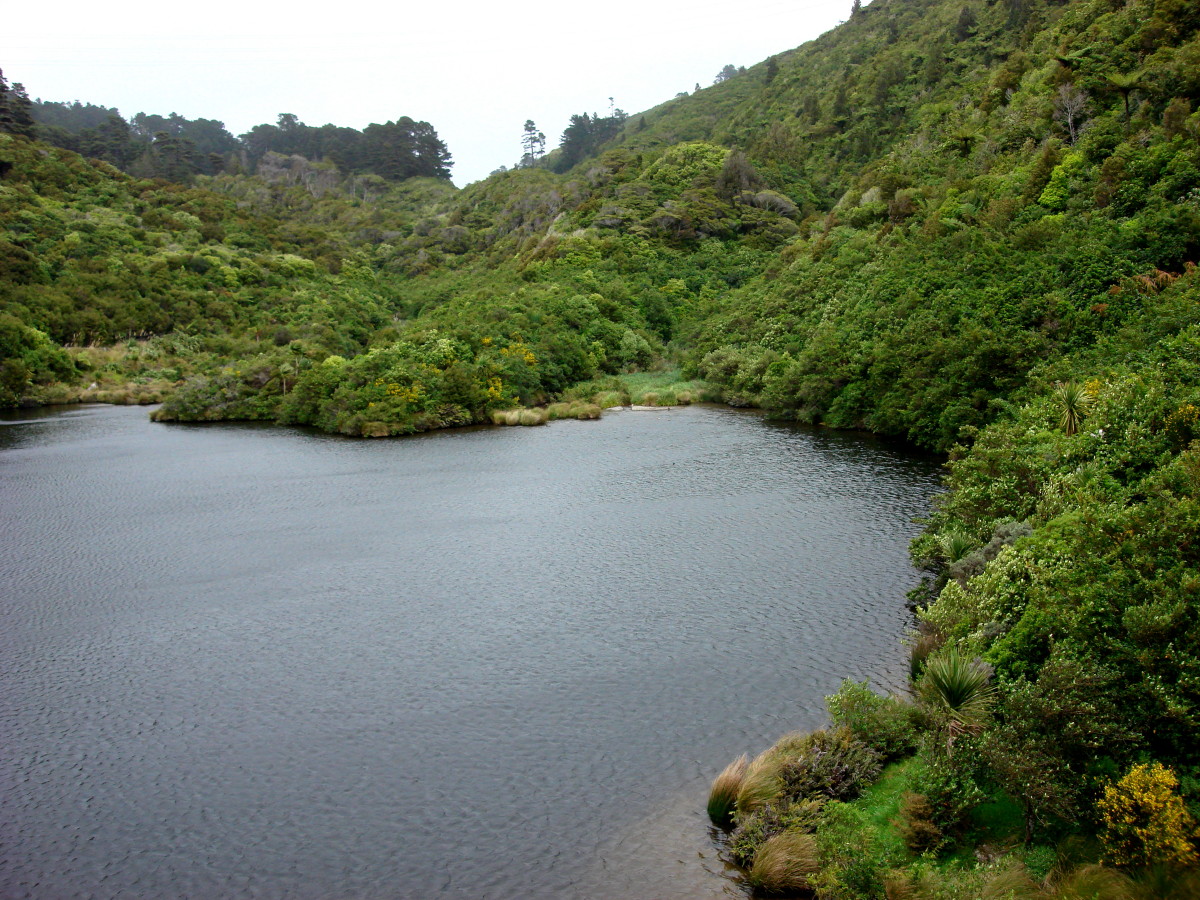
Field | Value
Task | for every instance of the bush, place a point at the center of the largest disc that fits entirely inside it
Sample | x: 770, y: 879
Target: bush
x: 885, y: 724
x: 754, y: 829
x: 821, y: 765
x: 856, y: 855
x: 835, y: 766
x: 1145, y: 821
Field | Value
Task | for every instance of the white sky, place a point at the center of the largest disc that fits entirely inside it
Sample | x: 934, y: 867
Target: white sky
x: 474, y: 71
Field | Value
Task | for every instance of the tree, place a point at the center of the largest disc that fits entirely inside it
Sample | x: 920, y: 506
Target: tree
x: 965, y: 25
x: 1069, y: 105
x: 856, y: 9
x: 1073, y: 402
x: 1125, y: 84
x: 726, y: 73
x: 15, y: 109
x: 533, y: 145
x: 1052, y: 734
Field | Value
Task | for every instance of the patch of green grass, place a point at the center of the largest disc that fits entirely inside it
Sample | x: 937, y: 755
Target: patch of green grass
x: 879, y: 805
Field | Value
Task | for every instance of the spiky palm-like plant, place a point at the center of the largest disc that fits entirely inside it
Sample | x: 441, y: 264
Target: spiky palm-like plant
x: 1073, y: 402
x: 955, y: 545
x: 722, y: 796
x: 957, y: 690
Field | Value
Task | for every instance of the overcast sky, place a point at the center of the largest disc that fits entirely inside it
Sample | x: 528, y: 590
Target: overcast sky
x: 474, y: 71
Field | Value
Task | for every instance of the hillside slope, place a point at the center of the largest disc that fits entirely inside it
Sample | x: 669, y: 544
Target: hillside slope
x: 974, y: 226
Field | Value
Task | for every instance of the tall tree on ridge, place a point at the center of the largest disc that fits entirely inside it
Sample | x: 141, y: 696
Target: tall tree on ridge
x: 533, y: 145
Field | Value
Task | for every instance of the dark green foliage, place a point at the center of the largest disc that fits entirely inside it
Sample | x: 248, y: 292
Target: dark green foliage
x: 16, y: 109
x: 755, y: 829
x: 835, y: 765
x: 936, y: 813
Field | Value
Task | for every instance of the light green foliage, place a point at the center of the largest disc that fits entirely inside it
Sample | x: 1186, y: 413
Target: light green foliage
x: 886, y: 724
x: 1058, y: 191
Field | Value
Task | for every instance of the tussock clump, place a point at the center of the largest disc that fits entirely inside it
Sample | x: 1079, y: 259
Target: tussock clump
x: 533, y: 417
x: 753, y: 829
x: 609, y: 399
x: 573, y: 409
x: 650, y: 398
x: 722, y: 796
x: 785, y: 863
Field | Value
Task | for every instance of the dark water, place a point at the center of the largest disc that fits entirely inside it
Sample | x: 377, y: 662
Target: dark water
x: 252, y: 662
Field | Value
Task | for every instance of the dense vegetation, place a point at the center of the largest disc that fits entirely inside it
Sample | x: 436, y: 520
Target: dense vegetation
x: 971, y: 225
x: 176, y: 148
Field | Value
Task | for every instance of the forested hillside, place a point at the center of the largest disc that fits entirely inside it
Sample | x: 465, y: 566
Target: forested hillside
x: 974, y: 226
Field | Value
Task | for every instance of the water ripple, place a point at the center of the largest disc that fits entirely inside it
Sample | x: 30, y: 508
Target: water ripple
x: 248, y: 662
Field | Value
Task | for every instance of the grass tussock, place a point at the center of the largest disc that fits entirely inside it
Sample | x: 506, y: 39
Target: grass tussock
x: 761, y: 782
x: 573, y: 409
x: 528, y: 416
x: 533, y: 416
x: 610, y: 399
x: 785, y: 863
x: 722, y: 796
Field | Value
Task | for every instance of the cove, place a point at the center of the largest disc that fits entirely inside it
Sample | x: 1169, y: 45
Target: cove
x: 245, y: 661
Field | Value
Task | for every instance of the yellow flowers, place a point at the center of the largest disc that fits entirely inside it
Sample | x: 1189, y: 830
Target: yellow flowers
x: 495, y: 388
x: 1145, y: 821
x: 521, y: 352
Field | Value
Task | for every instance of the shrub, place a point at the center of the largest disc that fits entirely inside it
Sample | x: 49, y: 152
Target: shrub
x: 937, y: 809
x: 821, y: 765
x: 835, y: 765
x: 916, y: 824
x: 1145, y: 821
x: 754, y: 829
x: 885, y: 724
x: 856, y: 854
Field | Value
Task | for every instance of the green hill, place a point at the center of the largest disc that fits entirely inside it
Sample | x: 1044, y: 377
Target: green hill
x: 973, y: 226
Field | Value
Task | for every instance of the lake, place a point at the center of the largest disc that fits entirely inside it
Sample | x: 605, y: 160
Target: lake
x: 242, y: 661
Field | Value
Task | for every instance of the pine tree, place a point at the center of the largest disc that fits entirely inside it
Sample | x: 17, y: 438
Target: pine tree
x: 533, y: 145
